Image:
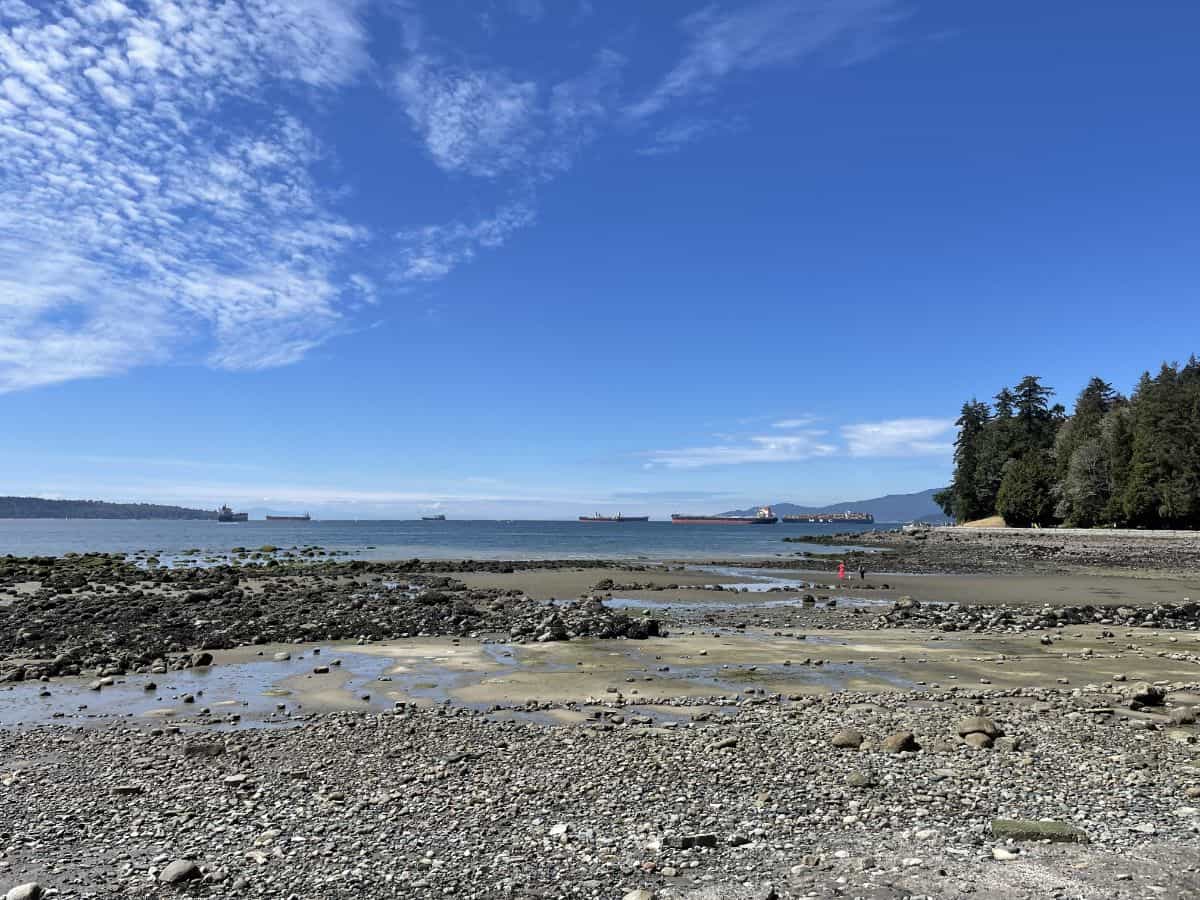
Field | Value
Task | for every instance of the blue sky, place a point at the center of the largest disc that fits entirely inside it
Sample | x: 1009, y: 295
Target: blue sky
x: 535, y: 258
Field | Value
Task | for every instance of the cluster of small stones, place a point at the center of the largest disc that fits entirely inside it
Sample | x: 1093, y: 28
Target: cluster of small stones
x: 99, y: 614
x: 910, y: 613
x: 881, y: 796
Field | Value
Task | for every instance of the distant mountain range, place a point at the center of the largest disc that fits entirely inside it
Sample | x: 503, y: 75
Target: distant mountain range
x: 892, y: 508
x: 39, y: 508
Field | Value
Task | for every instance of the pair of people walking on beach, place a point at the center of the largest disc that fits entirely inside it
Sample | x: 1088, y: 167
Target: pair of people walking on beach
x: 862, y: 572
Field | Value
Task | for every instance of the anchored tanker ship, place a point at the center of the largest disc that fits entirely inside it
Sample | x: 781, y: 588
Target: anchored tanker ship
x: 225, y: 514
x: 617, y: 518
x: 830, y: 518
x: 764, y: 517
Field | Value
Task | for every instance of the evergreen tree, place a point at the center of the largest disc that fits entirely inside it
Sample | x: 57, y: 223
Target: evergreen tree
x: 1113, y: 461
x: 1083, y: 480
x: 1037, y: 422
x: 1026, y: 491
x: 1005, y: 402
x: 960, y: 500
x: 1116, y: 437
x: 1163, y: 488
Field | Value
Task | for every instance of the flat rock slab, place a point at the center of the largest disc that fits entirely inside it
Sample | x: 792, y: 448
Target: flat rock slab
x: 1033, y: 830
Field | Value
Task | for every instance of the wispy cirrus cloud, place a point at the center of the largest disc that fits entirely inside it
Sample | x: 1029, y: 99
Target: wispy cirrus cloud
x: 755, y: 449
x: 797, y: 441
x: 900, y: 437
x: 796, y: 422
x: 674, y: 137
x: 766, y: 34
x: 134, y: 223
x: 433, y: 251
x: 479, y: 122
x: 489, y: 124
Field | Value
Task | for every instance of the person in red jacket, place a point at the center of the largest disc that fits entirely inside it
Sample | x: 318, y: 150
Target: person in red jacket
x: 841, y: 571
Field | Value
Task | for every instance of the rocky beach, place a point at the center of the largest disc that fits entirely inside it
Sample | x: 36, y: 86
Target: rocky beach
x: 973, y: 718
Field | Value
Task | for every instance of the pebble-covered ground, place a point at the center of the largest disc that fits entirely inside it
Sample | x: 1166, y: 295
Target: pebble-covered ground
x: 1007, y: 551
x: 1084, y: 785
x: 851, y: 795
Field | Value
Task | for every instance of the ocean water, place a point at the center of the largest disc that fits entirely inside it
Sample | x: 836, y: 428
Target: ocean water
x: 370, y: 539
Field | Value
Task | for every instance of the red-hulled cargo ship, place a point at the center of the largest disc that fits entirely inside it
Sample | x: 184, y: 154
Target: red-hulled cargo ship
x: 764, y: 517
x: 617, y: 518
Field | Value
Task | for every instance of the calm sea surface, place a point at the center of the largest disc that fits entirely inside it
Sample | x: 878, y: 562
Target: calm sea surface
x: 407, y: 539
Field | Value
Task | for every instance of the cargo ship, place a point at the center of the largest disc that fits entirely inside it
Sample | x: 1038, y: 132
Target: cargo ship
x: 764, y: 517
x: 830, y: 518
x: 437, y: 518
x: 225, y: 514
x: 304, y: 518
x: 617, y: 518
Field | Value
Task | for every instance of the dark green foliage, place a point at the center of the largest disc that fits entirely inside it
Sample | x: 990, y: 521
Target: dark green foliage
x: 1026, y: 495
x: 1113, y: 461
x: 1162, y: 489
x: 38, y: 508
x: 961, y: 500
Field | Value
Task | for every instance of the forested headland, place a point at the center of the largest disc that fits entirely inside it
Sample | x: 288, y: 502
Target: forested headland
x: 1113, y: 461
x: 39, y: 508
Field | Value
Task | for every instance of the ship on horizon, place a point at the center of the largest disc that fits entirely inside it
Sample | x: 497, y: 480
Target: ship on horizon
x: 829, y: 518
x: 440, y: 517
x: 304, y: 518
x: 225, y: 514
x: 617, y: 518
x: 764, y: 516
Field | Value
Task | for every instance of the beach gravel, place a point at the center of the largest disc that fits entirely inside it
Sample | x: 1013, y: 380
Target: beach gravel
x: 448, y: 802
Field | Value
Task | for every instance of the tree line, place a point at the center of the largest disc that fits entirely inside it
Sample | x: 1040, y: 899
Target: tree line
x: 40, y: 508
x: 1114, y: 461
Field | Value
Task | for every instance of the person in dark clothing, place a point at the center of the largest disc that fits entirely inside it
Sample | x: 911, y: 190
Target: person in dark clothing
x: 862, y: 573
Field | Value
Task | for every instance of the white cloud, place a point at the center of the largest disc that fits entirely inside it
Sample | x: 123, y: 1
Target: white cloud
x: 433, y: 251
x: 900, y: 437
x: 674, y: 137
x: 759, y: 449
x: 799, y: 441
x: 479, y: 122
x: 487, y: 123
x: 135, y: 220
x: 770, y: 33
x: 16, y: 11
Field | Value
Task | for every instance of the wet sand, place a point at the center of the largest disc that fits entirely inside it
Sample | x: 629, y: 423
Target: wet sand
x: 977, y: 590
x: 693, y: 666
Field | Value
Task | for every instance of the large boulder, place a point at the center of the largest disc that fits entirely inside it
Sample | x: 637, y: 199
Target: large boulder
x: 978, y: 725
x: 900, y: 742
x: 179, y: 871
x: 1143, y: 693
x: 847, y: 739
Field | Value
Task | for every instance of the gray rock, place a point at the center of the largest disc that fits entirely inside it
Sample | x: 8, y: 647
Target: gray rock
x: 978, y: 725
x: 1034, y: 830
x: 859, y: 780
x: 31, y: 890
x: 900, y: 742
x: 847, y: 739
x: 207, y: 749
x: 1183, y: 715
x: 1143, y: 693
x: 179, y: 871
